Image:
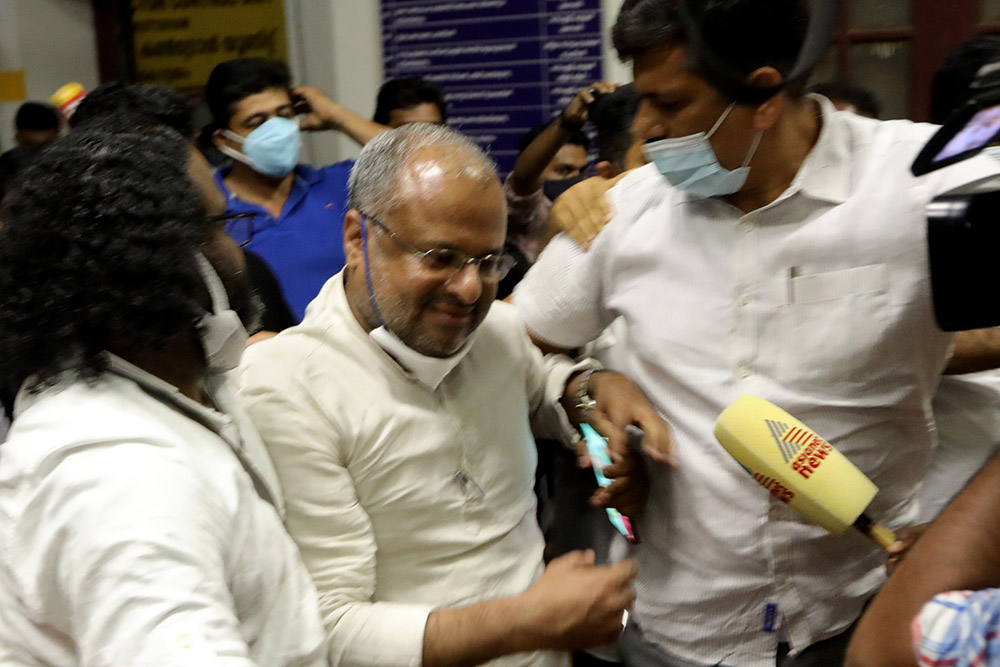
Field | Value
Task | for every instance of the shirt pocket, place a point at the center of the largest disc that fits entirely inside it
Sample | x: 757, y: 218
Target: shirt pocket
x: 834, y: 326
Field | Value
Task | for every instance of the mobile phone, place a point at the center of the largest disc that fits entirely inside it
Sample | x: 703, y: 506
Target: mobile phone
x: 597, y: 448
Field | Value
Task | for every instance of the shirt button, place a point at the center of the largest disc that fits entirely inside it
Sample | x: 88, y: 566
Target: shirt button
x: 745, y: 299
x: 743, y: 372
x: 746, y: 227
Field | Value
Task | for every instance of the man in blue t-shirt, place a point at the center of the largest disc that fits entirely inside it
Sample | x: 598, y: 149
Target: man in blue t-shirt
x: 299, y: 210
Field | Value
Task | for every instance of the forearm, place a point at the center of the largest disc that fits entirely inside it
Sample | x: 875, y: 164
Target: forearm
x: 355, y: 126
x: 961, y: 550
x: 478, y: 633
x: 977, y: 350
x: 526, y: 177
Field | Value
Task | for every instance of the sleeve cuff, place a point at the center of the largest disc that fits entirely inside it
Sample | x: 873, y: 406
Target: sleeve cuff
x: 388, y: 635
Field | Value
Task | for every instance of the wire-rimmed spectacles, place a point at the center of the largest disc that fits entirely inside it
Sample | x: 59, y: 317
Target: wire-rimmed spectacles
x: 491, y: 266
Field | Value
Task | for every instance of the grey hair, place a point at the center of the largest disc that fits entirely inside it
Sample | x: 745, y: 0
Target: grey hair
x: 375, y: 178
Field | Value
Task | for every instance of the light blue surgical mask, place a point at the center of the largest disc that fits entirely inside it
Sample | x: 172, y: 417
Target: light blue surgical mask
x: 271, y: 149
x: 690, y: 163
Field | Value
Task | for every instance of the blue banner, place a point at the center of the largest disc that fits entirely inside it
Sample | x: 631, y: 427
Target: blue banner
x: 505, y: 65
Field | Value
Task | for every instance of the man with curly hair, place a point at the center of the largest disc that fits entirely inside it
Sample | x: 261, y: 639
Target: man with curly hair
x: 140, y: 515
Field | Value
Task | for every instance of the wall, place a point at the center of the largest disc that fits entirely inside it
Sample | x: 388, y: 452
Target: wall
x: 53, y: 41
x: 336, y: 45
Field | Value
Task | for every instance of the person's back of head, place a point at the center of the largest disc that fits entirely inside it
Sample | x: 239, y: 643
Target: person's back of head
x: 405, y: 94
x: 850, y: 96
x: 612, y: 115
x: 135, y: 102
x: 97, y: 250
x: 235, y: 80
x: 952, y: 82
x: 744, y: 34
x: 36, y: 125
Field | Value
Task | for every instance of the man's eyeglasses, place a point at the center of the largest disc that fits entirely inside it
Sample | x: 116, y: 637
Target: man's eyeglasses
x: 491, y: 266
x: 238, y: 225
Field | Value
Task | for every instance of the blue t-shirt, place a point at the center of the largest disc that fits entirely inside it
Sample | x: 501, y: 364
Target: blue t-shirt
x: 305, y: 246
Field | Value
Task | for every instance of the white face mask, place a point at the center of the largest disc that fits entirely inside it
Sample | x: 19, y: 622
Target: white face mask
x: 690, y: 163
x: 222, y: 334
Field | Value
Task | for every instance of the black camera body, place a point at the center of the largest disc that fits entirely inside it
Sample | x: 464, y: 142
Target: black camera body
x: 963, y: 229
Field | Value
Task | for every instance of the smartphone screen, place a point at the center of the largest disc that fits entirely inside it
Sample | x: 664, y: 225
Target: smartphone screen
x: 981, y: 129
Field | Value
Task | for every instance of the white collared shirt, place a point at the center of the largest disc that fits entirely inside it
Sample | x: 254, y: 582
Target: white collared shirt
x: 405, y: 495
x: 132, y: 534
x: 819, y: 302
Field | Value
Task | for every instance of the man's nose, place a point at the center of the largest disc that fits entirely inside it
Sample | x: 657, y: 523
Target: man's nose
x: 466, y: 284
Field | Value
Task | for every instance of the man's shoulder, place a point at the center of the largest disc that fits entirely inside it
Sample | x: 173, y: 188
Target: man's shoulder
x: 84, y: 421
x: 639, y: 190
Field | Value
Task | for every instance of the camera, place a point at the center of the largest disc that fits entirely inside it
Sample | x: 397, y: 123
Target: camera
x: 963, y: 229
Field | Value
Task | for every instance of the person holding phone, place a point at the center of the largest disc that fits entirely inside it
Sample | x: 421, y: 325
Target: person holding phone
x: 298, y: 210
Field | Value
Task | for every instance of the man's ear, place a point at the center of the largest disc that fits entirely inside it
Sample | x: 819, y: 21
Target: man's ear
x: 767, y: 114
x: 353, y: 240
x: 219, y: 139
x: 605, y: 169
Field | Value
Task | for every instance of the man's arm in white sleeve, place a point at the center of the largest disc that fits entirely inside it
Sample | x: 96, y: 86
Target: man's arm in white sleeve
x: 560, y: 298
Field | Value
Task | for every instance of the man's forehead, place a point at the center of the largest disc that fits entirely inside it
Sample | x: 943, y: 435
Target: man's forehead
x: 663, y: 69
x: 432, y: 167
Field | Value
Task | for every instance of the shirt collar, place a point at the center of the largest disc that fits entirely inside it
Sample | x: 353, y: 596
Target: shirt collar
x: 826, y: 172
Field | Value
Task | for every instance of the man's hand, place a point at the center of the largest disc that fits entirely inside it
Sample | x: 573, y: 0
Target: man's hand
x: 905, y: 539
x: 577, y: 605
x: 576, y: 111
x: 325, y: 114
x: 629, y: 488
x: 583, y: 210
x: 619, y: 404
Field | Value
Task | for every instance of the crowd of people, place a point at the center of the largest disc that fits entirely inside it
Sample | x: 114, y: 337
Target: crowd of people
x: 265, y: 413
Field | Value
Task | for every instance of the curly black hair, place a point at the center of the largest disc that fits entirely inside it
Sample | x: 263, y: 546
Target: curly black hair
x: 138, y: 103
x: 96, y: 247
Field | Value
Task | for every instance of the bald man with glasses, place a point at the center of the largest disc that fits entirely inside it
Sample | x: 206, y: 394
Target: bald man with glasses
x: 401, y: 417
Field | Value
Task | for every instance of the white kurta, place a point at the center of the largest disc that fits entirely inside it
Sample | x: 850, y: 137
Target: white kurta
x: 404, y: 497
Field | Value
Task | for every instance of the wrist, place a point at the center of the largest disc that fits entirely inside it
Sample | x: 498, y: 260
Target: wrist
x: 568, y: 124
x: 528, y: 631
x: 580, y: 396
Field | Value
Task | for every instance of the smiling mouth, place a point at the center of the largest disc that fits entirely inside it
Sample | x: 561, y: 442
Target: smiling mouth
x: 453, y: 313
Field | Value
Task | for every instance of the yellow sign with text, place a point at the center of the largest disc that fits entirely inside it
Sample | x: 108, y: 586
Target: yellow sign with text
x: 178, y: 42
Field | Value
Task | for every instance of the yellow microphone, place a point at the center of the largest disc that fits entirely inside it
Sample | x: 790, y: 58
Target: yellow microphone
x: 798, y: 467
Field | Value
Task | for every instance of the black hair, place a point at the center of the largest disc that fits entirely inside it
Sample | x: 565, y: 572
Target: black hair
x: 612, y: 115
x: 406, y: 94
x: 744, y: 34
x: 950, y: 87
x: 36, y: 116
x: 135, y: 102
x: 576, y: 137
x: 234, y: 80
x: 97, y: 246
x: 856, y: 95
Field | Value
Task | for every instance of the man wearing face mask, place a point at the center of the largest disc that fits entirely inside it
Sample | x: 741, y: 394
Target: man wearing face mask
x: 775, y: 247
x: 401, y: 415
x: 140, y: 515
x: 259, y: 119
